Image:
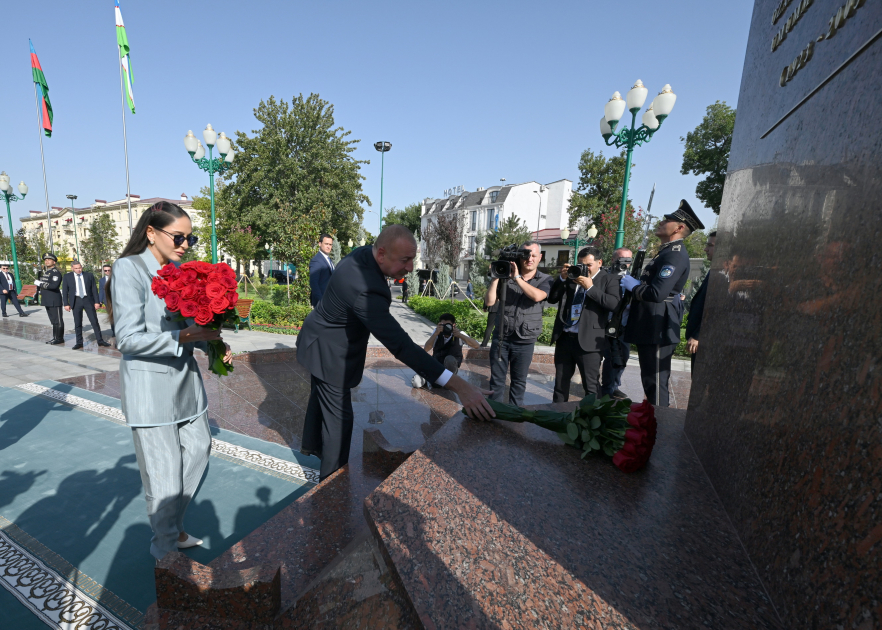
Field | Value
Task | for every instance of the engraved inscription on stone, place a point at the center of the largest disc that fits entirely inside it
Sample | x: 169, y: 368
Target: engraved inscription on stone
x: 789, y: 25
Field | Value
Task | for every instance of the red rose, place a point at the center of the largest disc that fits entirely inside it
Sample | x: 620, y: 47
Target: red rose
x: 637, y: 436
x: 627, y: 463
x: 204, y: 316
x: 190, y: 291
x: 177, y: 284
x: 230, y: 283
x: 205, y: 268
x: 203, y: 300
x: 219, y: 305
x: 189, y: 308
x: 228, y: 271
x: 191, y: 265
x: 168, y: 271
x: 232, y: 298
x: 173, y: 301
x: 215, y: 290
x: 159, y: 287
x: 642, y: 415
x: 189, y: 275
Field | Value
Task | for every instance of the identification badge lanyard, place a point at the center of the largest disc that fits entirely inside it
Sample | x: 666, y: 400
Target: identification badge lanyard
x: 576, y: 309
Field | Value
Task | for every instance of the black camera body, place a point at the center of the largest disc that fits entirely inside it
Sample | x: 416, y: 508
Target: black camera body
x: 621, y: 265
x: 447, y: 329
x: 509, y: 254
x: 574, y: 271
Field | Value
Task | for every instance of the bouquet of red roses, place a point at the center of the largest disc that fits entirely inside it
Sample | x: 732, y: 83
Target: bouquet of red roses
x: 621, y: 430
x: 205, y: 293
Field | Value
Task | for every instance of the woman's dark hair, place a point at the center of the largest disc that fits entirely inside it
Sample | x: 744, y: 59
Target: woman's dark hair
x: 157, y: 216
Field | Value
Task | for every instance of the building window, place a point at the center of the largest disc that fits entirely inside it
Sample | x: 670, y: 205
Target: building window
x: 493, y: 196
x: 490, y: 224
x: 474, y: 220
x: 563, y: 257
x: 472, y: 242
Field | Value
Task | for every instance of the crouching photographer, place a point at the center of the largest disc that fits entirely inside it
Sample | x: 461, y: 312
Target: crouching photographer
x: 587, y: 295
x: 520, y: 288
x: 445, y: 344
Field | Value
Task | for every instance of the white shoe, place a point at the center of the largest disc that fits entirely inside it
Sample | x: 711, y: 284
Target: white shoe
x: 190, y: 542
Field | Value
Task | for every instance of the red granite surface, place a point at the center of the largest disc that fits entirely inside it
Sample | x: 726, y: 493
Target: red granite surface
x: 500, y: 525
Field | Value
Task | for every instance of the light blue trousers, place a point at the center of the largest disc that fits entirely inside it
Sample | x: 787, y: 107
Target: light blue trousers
x: 172, y: 459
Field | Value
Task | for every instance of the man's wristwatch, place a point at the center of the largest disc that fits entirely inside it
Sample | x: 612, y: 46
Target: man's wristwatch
x: 519, y: 276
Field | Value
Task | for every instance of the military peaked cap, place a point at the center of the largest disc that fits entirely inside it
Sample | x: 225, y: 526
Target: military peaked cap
x: 685, y: 214
x: 50, y: 255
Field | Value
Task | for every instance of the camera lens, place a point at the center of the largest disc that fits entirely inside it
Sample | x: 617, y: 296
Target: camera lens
x: 501, y: 269
x: 448, y: 329
x: 574, y: 272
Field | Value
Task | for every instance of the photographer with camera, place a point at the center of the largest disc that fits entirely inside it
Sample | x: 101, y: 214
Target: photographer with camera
x: 587, y: 295
x: 445, y: 344
x: 520, y: 288
x: 611, y: 376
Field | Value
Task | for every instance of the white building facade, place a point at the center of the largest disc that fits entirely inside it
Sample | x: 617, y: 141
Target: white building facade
x: 540, y: 206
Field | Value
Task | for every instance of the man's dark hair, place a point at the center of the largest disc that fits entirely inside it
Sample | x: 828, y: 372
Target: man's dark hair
x: 76, y: 262
x: 712, y: 234
x: 106, y: 267
x: 447, y: 317
x: 531, y: 243
x: 589, y: 251
x: 324, y: 236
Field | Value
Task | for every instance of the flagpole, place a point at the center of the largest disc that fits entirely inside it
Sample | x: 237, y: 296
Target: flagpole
x: 122, y: 95
x: 43, y: 160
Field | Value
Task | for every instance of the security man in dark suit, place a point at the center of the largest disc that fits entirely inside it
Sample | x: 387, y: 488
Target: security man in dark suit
x: 696, y: 310
x: 657, y: 309
x: 332, y: 345
x: 8, y: 291
x: 580, y: 326
x: 78, y: 294
x: 321, y: 267
x: 50, y: 297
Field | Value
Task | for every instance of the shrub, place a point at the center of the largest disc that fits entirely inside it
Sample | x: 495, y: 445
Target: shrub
x: 267, y: 313
x: 468, y: 319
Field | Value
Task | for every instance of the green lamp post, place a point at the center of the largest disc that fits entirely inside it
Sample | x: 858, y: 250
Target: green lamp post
x: 74, y: 215
x: 5, y: 188
x: 211, y: 165
x: 652, y: 119
x: 382, y: 147
x: 577, y: 241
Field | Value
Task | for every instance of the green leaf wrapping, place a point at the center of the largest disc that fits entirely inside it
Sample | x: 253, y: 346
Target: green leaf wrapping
x: 573, y: 431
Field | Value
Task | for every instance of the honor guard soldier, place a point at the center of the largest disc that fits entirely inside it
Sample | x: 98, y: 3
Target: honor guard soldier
x: 50, y: 297
x: 657, y: 309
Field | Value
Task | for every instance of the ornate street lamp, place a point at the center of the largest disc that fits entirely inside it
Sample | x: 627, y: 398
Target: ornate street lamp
x: 652, y: 119
x: 382, y: 147
x: 74, y: 215
x: 211, y: 165
x: 5, y: 188
x: 577, y: 241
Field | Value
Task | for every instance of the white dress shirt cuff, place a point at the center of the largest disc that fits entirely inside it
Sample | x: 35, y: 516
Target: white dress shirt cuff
x: 442, y: 380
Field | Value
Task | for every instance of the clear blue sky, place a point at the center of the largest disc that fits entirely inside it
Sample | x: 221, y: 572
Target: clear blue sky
x: 466, y: 92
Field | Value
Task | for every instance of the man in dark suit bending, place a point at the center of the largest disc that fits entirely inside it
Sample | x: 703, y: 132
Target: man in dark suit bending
x: 332, y: 345
x: 585, y: 302
x: 78, y: 293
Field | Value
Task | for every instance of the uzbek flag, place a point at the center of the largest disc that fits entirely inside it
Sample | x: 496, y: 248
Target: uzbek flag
x: 124, y: 58
x: 40, y: 80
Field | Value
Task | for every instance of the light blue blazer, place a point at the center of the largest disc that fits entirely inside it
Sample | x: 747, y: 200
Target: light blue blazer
x: 159, y: 379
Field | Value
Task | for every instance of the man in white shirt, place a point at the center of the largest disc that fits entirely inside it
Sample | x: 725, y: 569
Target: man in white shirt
x: 320, y: 269
x: 9, y: 291
x: 79, y: 293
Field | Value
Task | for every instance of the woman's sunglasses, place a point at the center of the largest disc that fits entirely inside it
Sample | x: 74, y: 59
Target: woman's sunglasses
x: 180, y: 238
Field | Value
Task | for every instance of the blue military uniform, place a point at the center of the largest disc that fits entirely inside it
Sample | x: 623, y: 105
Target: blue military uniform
x: 657, y: 310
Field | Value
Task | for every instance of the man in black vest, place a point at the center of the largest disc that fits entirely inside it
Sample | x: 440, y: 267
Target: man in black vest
x: 657, y: 309
x: 332, y: 345
x: 78, y: 293
x: 446, y: 341
x: 580, y: 326
x: 522, y: 323
x: 50, y: 297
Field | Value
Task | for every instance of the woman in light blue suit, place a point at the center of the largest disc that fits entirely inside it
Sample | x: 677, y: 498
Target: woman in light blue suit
x: 163, y: 397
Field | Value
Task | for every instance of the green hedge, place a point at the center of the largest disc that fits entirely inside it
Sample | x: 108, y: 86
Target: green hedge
x: 468, y: 319
x: 267, y: 313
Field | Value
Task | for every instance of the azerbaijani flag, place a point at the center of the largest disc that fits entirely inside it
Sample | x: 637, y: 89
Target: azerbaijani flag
x: 124, y: 59
x: 40, y: 80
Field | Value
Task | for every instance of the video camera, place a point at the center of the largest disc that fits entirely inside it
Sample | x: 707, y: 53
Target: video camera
x: 621, y: 265
x: 509, y: 254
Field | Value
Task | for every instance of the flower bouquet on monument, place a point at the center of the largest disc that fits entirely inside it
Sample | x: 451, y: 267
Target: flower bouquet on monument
x: 619, y: 429
x: 205, y: 293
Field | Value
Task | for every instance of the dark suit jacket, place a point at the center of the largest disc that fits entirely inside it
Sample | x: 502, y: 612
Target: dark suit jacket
x: 696, y: 310
x: 600, y: 300
x: 4, y: 286
x: 101, y: 283
x: 332, y: 344
x: 69, y: 289
x: 319, y: 276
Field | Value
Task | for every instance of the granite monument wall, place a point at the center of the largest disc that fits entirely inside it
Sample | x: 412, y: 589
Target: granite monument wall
x: 786, y: 406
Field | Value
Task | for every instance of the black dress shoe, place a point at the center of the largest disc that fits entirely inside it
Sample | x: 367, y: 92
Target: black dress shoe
x: 5, y: 315
x: 79, y: 346
x: 103, y: 344
x: 55, y: 342
x: 22, y: 314
x: 619, y: 395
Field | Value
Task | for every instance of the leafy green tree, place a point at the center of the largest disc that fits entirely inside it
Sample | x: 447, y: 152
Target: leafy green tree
x: 336, y: 251
x: 600, y: 186
x: 607, y: 224
x: 295, y: 178
x: 201, y: 211
x: 511, y: 230
x: 410, y: 217
x: 707, y: 152
x: 102, y: 244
